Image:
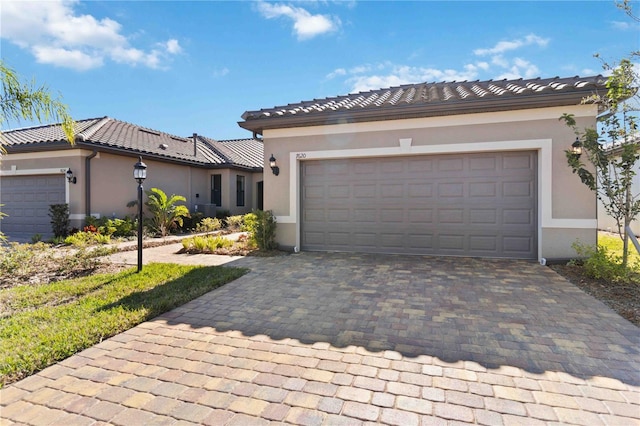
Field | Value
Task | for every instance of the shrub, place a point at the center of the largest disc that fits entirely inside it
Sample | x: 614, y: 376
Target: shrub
x: 214, y: 243
x: 600, y: 263
x: 222, y: 214
x: 209, y: 224
x: 166, y: 214
x: 83, y: 239
x: 261, y: 226
x: 111, y: 227
x: 36, y: 238
x: 59, y: 214
x: 208, y: 244
x: 234, y: 223
x: 18, y: 259
x: 121, y: 227
x: 190, y: 223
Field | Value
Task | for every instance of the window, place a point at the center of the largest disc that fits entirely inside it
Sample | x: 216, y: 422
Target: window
x: 216, y: 190
x: 239, y: 190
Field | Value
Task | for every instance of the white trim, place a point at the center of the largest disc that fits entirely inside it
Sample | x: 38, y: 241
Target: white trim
x: 37, y: 172
x: 25, y: 172
x: 522, y: 115
x: 545, y: 175
x: 45, y: 154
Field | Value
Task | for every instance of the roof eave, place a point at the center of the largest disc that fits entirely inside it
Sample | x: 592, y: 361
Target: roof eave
x: 416, y: 111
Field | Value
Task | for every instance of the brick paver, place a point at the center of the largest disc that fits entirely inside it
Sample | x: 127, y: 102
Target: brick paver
x: 335, y: 339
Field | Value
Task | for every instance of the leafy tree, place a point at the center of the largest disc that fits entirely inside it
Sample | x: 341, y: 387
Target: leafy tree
x: 612, y: 156
x: 26, y: 101
x: 165, y: 213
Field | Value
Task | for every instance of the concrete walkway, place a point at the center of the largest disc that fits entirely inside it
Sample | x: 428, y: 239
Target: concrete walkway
x: 351, y: 339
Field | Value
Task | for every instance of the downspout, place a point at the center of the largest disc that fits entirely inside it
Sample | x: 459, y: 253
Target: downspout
x: 87, y: 182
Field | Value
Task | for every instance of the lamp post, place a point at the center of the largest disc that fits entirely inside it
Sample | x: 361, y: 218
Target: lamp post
x: 140, y: 174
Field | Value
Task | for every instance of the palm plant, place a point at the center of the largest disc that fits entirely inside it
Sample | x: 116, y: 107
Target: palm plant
x: 165, y: 212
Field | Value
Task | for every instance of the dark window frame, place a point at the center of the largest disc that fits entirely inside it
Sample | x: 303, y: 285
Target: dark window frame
x: 240, y: 191
x: 216, y: 190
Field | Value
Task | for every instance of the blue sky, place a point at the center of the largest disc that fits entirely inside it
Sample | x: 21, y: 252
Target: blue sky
x: 185, y: 67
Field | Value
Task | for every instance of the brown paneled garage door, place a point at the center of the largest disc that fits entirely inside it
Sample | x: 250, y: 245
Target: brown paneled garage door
x: 26, y: 201
x: 455, y: 205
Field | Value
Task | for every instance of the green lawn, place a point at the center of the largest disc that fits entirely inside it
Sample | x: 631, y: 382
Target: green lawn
x: 41, y: 325
x: 613, y: 243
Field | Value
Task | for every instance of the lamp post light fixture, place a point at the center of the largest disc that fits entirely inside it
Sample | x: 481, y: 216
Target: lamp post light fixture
x: 70, y: 177
x: 140, y: 174
x: 274, y: 166
x: 576, y: 147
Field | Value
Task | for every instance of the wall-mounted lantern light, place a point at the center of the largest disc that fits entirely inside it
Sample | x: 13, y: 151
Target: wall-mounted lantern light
x: 140, y: 174
x: 70, y: 177
x: 576, y: 148
x: 274, y: 166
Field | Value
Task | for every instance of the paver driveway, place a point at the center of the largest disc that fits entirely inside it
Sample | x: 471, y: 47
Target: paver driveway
x: 344, y: 339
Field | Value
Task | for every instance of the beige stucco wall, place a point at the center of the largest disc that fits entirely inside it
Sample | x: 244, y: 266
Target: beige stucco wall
x: 39, y: 162
x: 566, y: 207
x: 113, y: 186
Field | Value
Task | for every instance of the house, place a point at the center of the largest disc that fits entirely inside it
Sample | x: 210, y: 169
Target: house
x: 225, y: 174
x: 452, y: 168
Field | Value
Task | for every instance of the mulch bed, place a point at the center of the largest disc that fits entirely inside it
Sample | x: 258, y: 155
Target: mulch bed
x: 624, y: 298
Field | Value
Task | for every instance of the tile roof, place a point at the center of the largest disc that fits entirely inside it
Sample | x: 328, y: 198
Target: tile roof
x: 245, y: 152
x: 427, y: 99
x: 118, y: 135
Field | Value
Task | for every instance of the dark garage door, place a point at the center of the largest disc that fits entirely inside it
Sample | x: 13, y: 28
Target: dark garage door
x: 26, y: 201
x: 455, y: 205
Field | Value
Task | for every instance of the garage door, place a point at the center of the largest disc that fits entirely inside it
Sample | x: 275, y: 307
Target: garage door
x: 456, y: 205
x: 26, y: 201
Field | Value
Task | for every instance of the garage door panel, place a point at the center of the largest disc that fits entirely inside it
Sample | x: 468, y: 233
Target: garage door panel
x: 518, y: 244
x: 391, y: 240
x: 482, y: 163
x: 365, y: 239
x: 517, y: 162
x: 517, y: 189
x: 517, y: 217
x: 451, y: 242
x: 26, y: 201
x: 422, y: 242
x: 422, y: 216
x: 483, y: 216
x: 420, y: 190
x: 462, y: 205
x: 364, y: 191
x: 450, y: 165
x: 483, y: 243
x: 482, y: 189
x: 392, y: 190
x: 419, y: 165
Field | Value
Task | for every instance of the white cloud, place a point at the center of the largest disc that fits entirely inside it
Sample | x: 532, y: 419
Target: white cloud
x: 506, y: 46
x: 173, y: 47
x: 335, y: 73
x: 499, y: 66
x: 305, y: 25
x: 57, y: 34
x: 396, y: 75
x: 625, y: 26
x: 520, y: 68
x: 221, y: 72
x: 61, y: 57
